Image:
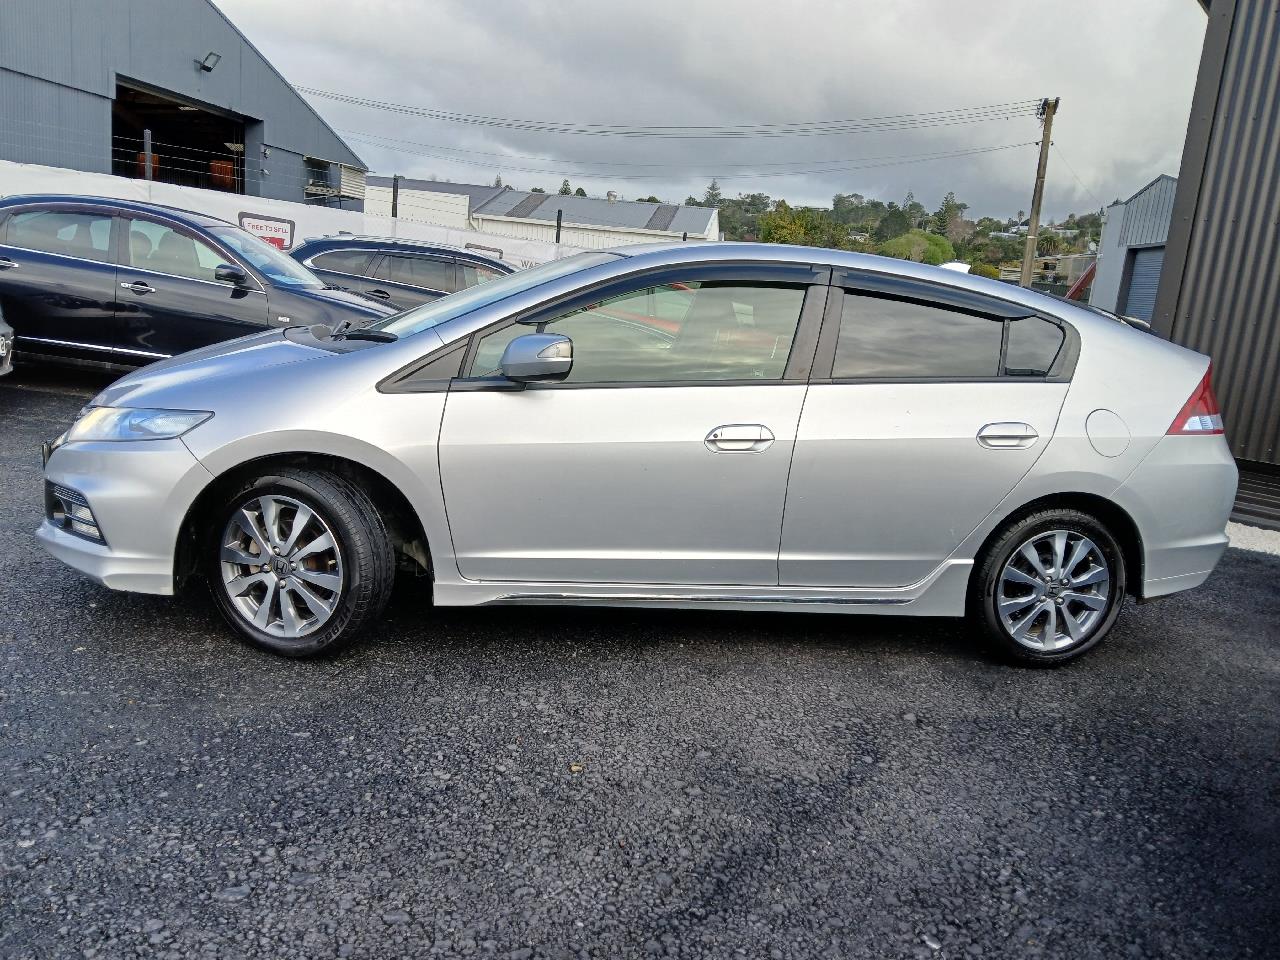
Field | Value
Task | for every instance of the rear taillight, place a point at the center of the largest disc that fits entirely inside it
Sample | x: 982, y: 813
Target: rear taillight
x: 1200, y: 414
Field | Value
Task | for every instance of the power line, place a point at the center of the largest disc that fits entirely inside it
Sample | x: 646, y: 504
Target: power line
x: 1072, y: 171
x: 936, y: 118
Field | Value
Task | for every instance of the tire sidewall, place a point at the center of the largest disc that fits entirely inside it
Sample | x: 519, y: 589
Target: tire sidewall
x: 348, y: 539
x: 1018, y: 534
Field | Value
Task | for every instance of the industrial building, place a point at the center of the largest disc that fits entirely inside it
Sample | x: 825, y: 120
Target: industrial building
x: 168, y: 90
x: 1219, y: 291
x: 588, y: 222
x: 1131, y: 252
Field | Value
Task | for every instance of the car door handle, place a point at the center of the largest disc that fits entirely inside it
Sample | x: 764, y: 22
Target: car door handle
x: 6, y: 263
x: 739, y: 438
x: 380, y: 294
x: 139, y: 287
x: 1007, y: 436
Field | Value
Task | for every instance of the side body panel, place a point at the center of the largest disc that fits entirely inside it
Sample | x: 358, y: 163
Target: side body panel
x: 889, y: 478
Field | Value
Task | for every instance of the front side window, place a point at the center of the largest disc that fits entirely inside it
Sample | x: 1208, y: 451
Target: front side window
x: 426, y: 272
x: 342, y: 261
x: 72, y: 234
x: 679, y: 332
x: 883, y: 339
x: 160, y: 248
x: 473, y: 273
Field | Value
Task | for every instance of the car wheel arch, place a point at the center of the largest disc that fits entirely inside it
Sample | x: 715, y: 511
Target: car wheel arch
x: 1108, y: 512
x: 409, y: 537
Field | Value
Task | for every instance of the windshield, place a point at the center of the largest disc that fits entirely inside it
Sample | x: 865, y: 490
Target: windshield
x: 266, y: 259
x: 473, y: 298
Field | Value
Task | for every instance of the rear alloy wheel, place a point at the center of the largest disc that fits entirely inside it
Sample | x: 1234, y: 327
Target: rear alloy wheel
x: 299, y: 561
x: 1051, y: 586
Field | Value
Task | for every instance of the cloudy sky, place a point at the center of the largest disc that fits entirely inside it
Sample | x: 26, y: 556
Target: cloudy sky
x: 1124, y: 70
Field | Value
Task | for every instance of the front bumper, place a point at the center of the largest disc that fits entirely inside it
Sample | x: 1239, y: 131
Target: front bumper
x: 140, y: 493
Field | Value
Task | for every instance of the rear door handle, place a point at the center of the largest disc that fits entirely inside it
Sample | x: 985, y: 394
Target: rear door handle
x: 380, y: 294
x: 6, y: 263
x: 1007, y: 436
x: 739, y: 438
x: 139, y: 287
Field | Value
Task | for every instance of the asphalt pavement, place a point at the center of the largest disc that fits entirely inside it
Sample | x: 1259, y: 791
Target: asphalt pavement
x: 563, y: 783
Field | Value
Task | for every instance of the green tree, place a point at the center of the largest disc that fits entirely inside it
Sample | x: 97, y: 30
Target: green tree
x: 804, y: 225
x: 1048, y: 244
x: 579, y: 192
x: 537, y: 190
x: 947, y: 214
x: 649, y: 199
x: 712, y: 198
x: 980, y: 269
x: 497, y: 181
x: 692, y: 201
x: 894, y: 223
x: 918, y: 246
x: 565, y: 189
x: 740, y: 215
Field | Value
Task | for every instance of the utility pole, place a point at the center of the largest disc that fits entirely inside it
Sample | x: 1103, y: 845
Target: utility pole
x: 395, y: 195
x: 1047, y: 109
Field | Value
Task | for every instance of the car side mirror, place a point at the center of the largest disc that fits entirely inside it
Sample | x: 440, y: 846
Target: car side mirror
x: 537, y: 357
x: 227, y: 273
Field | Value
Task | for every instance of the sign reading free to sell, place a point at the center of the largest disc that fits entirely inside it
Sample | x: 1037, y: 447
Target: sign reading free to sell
x: 277, y: 232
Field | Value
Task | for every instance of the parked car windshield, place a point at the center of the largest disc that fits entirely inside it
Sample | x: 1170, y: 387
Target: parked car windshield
x: 465, y: 301
x: 266, y: 259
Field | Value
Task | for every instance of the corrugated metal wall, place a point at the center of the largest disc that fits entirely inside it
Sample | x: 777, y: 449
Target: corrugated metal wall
x: 1147, y: 214
x: 1220, y: 291
x: 60, y: 59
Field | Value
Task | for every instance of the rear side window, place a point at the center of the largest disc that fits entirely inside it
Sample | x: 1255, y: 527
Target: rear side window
x: 883, y: 339
x: 1033, y: 346
x: 342, y: 261
x: 72, y: 234
x: 417, y: 272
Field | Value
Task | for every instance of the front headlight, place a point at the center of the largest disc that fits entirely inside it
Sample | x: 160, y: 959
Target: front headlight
x: 133, y: 423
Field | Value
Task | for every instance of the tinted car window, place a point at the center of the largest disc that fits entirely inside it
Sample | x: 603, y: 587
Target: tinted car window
x: 159, y: 247
x: 676, y: 332
x: 342, y: 261
x: 900, y: 339
x: 417, y: 272
x: 473, y: 273
x: 1033, y: 346
x: 83, y: 235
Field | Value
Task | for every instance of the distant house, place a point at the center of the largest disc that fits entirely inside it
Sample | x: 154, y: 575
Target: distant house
x: 590, y: 222
x: 1131, y: 252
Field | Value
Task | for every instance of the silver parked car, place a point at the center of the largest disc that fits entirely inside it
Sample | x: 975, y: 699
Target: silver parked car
x: 725, y: 426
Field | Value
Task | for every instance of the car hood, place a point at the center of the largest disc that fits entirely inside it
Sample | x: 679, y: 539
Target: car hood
x: 180, y: 382
x: 345, y: 300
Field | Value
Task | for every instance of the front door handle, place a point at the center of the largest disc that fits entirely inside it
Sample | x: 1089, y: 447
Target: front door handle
x: 6, y: 263
x: 139, y: 287
x: 1007, y: 436
x: 380, y: 294
x: 739, y: 438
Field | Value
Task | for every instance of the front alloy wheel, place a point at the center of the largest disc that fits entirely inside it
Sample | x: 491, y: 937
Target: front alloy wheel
x: 299, y: 560
x: 281, y: 566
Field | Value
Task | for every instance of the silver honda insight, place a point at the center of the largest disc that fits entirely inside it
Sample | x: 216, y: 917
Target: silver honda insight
x: 724, y: 426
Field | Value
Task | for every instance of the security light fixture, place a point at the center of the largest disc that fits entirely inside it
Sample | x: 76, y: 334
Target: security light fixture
x: 209, y: 62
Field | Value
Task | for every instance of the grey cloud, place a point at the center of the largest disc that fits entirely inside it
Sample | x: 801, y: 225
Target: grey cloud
x: 1124, y: 71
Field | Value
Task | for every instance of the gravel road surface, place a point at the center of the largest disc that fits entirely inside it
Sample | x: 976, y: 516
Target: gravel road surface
x: 570, y: 783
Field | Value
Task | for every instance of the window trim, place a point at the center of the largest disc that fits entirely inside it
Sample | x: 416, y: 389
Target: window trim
x: 922, y: 292
x: 370, y: 256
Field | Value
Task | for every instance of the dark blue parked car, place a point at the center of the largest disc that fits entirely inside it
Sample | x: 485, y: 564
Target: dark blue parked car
x: 117, y: 283
x: 403, y: 273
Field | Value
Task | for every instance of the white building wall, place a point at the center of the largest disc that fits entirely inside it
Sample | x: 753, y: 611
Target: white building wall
x: 420, y: 206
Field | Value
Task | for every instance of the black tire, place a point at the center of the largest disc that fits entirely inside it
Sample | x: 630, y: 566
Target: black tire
x: 363, y: 546
x: 985, y: 615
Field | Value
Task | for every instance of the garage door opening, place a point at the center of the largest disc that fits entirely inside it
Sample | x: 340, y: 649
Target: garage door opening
x: 191, y: 146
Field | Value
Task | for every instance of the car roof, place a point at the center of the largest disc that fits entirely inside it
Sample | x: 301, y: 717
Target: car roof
x: 404, y: 244
x: 189, y: 217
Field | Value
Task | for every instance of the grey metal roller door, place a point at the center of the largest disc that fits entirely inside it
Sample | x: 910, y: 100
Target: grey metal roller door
x: 1144, y: 280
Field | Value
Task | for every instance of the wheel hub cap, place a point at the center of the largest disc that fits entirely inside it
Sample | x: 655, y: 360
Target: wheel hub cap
x: 281, y: 566
x: 1053, y: 591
